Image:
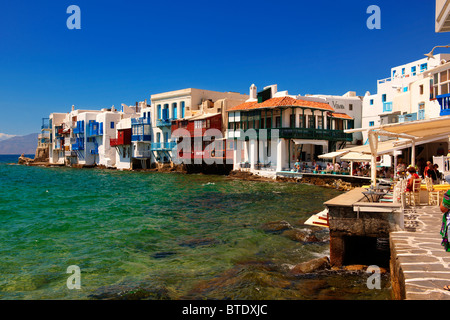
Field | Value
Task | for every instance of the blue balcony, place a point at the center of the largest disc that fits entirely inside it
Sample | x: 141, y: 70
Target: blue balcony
x: 46, y: 124
x: 163, y: 146
x: 94, y: 128
x: 387, y: 106
x: 140, y: 121
x: 444, y: 102
x: 78, y: 145
x: 163, y: 122
x: 79, y: 129
x: 141, y: 138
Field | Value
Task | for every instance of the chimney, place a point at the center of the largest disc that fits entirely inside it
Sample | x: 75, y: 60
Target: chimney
x: 253, y: 94
x: 73, y: 108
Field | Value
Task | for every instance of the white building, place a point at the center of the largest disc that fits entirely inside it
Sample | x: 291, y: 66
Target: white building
x: 349, y: 103
x: 378, y: 108
x: 56, y: 146
x: 180, y: 104
x: 141, y: 137
x: 272, y: 129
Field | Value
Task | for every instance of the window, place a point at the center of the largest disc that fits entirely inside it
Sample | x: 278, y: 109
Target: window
x: 371, y: 102
x: 112, y: 125
x: 174, y: 110
x: 444, y: 76
x: 403, y: 71
x: 383, y: 98
x: 393, y: 73
x: 182, y: 109
x: 371, y: 123
x: 320, y: 122
x: 405, y: 89
x: 421, y: 89
x: 311, y: 122
x: 350, y: 107
x: 413, y: 70
x: 292, y: 120
x: 277, y: 122
x: 423, y: 67
x: 301, y: 121
x: 159, y: 111
x: 158, y: 137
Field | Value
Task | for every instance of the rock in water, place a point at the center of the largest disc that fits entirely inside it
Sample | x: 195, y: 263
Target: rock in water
x: 312, y: 265
x: 300, y: 235
x: 192, y: 243
x: 276, y: 226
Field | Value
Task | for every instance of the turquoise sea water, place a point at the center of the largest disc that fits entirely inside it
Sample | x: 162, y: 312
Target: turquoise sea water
x: 166, y: 236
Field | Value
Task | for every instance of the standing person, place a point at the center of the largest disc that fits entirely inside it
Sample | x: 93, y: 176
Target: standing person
x: 431, y: 173
x: 445, y: 209
x: 425, y: 171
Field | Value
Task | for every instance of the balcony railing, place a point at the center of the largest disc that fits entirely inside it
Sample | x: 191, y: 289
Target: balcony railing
x: 292, y: 133
x: 141, y: 138
x: 163, y: 122
x: 315, y: 134
x: 78, y: 145
x: 163, y: 146
x: 142, y: 120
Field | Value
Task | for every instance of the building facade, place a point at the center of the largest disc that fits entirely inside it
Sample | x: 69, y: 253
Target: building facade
x: 272, y: 130
x: 182, y: 105
x: 379, y: 108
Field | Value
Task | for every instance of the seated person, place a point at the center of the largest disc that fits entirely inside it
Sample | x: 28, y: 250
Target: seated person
x: 297, y: 166
x: 413, y: 175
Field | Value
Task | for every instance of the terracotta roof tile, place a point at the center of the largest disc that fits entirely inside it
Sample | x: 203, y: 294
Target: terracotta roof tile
x: 341, y: 116
x: 282, y: 102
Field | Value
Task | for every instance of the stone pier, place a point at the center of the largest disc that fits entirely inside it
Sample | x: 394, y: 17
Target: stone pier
x: 419, y: 267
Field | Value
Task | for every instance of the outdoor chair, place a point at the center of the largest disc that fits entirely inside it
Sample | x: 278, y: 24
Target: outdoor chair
x: 434, y: 196
x: 413, y: 196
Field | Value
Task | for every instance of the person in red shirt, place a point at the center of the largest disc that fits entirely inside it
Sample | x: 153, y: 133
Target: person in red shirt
x: 414, y: 175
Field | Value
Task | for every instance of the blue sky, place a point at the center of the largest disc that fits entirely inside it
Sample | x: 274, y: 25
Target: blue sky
x: 128, y: 50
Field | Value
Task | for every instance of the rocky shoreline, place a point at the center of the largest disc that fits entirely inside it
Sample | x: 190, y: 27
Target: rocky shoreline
x: 253, y: 277
x: 326, y: 182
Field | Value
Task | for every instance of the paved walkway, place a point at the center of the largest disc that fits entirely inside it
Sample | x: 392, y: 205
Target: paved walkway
x: 424, y: 262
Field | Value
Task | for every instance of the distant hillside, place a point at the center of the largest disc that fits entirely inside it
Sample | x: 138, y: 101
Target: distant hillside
x: 19, y: 144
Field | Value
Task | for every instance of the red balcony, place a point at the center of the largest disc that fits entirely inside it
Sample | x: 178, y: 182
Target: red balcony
x: 197, y: 126
x: 123, y: 138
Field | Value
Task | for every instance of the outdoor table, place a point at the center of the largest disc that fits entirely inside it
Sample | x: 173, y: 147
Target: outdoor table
x: 373, y: 196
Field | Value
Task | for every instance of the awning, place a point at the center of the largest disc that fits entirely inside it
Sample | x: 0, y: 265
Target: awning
x: 315, y: 142
x: 356, y: 156
x: 421, y: 128
x: 332, y: 155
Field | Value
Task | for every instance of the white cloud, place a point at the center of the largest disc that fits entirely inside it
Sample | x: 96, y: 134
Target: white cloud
x: 4, y: 136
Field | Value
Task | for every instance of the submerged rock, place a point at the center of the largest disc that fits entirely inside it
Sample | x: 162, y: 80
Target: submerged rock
x: 124, y: 291
x: 192, y: 243
x: 304, y: 235
x: 276, y: 226
x: 163, y: 254
x: 312, y: 266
